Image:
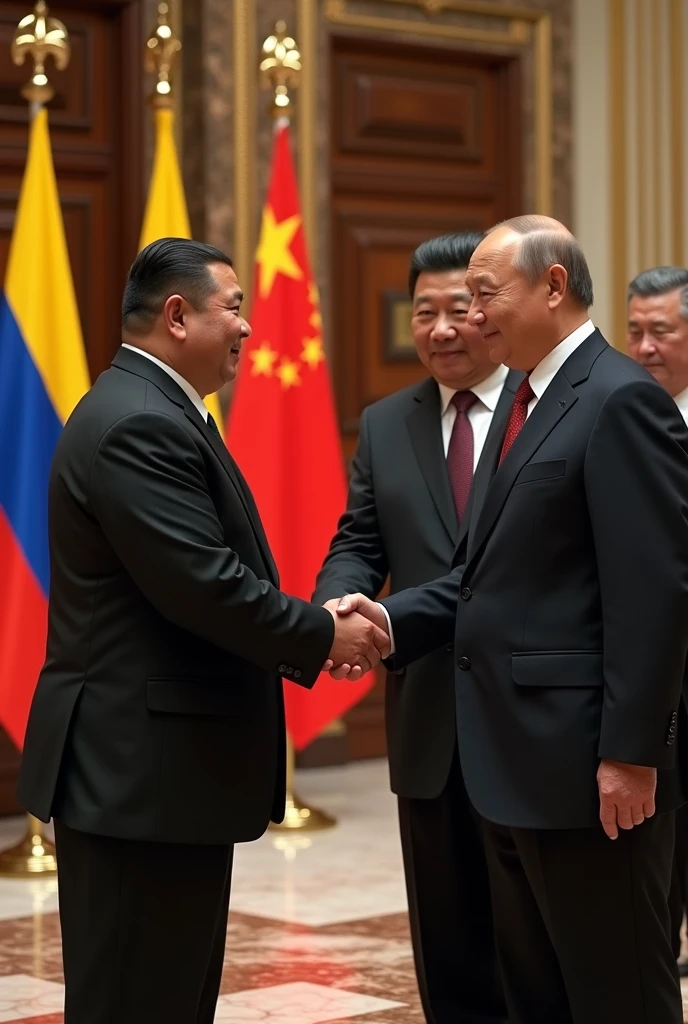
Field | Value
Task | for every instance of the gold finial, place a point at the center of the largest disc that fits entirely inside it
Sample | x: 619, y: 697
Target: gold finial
x: 280, y: 69
x: 40, y: 36
x: 161, y: 53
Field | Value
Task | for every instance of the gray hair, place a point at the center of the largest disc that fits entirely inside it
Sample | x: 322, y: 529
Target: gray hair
x: 546, y: 242
x: 661, y: 281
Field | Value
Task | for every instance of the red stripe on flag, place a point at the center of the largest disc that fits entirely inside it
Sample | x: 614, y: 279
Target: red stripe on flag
x: 23, y: 631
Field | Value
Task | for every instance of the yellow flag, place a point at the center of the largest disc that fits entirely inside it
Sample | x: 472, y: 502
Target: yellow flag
x: 38, y: 282
x: 166, y: 213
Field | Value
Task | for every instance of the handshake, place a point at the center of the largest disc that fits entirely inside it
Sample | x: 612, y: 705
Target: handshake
x: 361, y: 636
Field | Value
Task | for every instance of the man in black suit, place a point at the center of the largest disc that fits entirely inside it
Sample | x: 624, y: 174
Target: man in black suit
x: 568, y: 607
x: 409, y: 487
x: 156, y: 736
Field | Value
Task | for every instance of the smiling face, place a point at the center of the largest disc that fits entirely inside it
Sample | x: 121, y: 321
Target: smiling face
x: 211, y: 337
x: 658, y: 338
x: 513, y: 314
x: 450, y: 347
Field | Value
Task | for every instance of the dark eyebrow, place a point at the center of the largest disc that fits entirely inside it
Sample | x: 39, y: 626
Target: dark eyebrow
x: 236, y: 297
x: 461, y: 297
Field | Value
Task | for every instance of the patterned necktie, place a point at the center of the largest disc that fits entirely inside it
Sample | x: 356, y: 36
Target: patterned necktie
x: 518, y: 415
x: 213, y: 425
x: 460, y: 452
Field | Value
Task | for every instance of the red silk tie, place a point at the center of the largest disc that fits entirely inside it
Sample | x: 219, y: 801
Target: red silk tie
x: 518, y: 416
x: 460, y: 451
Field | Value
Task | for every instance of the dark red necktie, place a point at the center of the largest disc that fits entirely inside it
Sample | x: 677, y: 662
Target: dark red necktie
x: 460, y: 451
x: 518, y: 415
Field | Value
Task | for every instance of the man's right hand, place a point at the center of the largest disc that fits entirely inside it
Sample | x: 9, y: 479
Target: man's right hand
x: 359, y: 644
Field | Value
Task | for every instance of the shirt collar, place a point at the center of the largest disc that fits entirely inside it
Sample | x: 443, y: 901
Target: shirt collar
x: 487, y: 391
x: 681, y: 400
x: 547, y: 369
x: 187, y: 388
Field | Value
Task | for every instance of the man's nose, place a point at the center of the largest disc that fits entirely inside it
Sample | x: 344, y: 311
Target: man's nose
x: 647, y: 345
x: 245, y: 329
x: 476, y: 317
x: 443, y: 327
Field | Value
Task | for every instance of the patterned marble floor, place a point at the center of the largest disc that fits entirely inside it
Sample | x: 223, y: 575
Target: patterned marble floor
x: 305, y: 945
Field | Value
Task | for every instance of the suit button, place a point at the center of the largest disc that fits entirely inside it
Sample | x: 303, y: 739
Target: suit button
x: 281, y: 669
x: 297, y: 673
x: 466, y: 593
x: 449, y: 649
x: 464, y: 664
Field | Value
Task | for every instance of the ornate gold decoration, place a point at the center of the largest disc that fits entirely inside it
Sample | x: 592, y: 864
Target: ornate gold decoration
x: 244, y: 47
x: 280, y: 69
x: 33, y: 855
x: 40, y: 36
x: 162, y: 49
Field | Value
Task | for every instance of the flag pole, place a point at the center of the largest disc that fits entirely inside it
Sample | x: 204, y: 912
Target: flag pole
x: 38, y: 36
x: 280, y: 70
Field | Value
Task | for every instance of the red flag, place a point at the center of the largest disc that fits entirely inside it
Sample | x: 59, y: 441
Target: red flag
x: 282, y: 427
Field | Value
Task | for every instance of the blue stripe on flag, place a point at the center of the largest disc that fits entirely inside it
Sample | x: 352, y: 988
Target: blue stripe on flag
x: 29, y: 430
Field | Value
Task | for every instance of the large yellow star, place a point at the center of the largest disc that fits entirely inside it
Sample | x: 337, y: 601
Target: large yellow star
x: 263, y: 360
x: 313, y: 352
x: 274, y: 254
x: 288, y: 373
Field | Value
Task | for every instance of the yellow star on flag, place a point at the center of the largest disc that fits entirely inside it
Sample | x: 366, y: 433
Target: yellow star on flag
x: 288, y: 373
x: 313, y: 352
x: 263, y: 359
x: 274, y: 254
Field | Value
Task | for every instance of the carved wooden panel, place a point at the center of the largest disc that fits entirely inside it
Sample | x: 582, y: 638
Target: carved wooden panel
x: 423, y: 141
x: 96, y: 122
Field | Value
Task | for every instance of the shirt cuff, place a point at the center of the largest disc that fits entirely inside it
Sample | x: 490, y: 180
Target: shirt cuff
x: 392, y: 649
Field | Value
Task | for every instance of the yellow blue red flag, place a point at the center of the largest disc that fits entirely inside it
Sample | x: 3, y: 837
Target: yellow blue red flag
x: 43, y: 374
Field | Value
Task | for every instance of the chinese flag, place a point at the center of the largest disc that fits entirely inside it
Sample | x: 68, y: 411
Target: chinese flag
x: 282, y: 428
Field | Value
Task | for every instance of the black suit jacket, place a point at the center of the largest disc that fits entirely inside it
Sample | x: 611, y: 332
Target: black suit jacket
x: 572, y: 590
x: 401, y: 520
x: 158, y: 714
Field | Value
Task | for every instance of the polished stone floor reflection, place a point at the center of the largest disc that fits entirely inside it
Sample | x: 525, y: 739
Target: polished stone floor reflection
x: 318, y: 932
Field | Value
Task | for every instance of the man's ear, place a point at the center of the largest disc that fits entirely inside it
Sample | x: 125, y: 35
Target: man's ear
x: 174, y: 315
x: 557, y: 282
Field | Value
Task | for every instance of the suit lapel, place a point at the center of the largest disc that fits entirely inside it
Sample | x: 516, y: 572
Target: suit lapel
x: 132, y: 362
x: 558, y: 399
x: 424, y: 424
x: 237, y: 479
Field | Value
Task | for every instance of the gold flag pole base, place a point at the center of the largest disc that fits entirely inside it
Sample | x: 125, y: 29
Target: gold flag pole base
x: 34, y: 855
x: 299, y: 817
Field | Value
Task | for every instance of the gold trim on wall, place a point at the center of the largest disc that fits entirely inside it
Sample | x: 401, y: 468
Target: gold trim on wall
x: 619, y: 187
x: 678, y: 127
x: 245, y: 55
x: 306, y: 36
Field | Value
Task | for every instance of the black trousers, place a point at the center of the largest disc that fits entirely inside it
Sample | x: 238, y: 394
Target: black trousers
x: 143, y: 928
x: 449, y: 907
x: 582, y: 924
x: 678, y: 899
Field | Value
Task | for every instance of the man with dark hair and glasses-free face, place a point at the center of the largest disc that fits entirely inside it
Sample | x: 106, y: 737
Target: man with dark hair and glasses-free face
x: 568, y: 611
x: 408, y: 506
x: 156, y: 737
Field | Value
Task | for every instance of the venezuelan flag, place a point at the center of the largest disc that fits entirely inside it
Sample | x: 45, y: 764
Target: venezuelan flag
x: 43, y: 374
x: 166, y: 214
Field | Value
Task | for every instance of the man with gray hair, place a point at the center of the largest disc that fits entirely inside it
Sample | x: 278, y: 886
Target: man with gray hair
x: 658, y: 340
x: 568, y: 610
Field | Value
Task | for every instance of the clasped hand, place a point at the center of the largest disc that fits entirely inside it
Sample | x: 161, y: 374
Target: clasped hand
x: 361, y: 638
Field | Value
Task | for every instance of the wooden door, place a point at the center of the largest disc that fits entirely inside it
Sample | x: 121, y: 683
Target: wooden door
x: 423, y: 141
x: 96, y: 127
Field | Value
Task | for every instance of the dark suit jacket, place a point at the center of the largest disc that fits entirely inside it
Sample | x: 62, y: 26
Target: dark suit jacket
x: 401, y: 520
x: 572, y: 590
x: 158, y: 714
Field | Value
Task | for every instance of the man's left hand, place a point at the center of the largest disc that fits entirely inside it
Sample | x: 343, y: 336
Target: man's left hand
x: 627, y: 795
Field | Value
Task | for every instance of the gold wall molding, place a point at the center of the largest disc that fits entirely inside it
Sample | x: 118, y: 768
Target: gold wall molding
x: 244, y: 60
x: 619, y: 188
x: 679, y: 247
x: 516, y: 28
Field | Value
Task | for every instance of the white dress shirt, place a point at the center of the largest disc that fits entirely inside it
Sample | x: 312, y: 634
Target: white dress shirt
x: 681, y: 400
x: 540, y: 379
x: 187, y: 388
x: 479, y: 415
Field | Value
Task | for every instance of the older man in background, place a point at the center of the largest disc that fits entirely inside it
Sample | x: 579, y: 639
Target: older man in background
x: 658, y: 340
